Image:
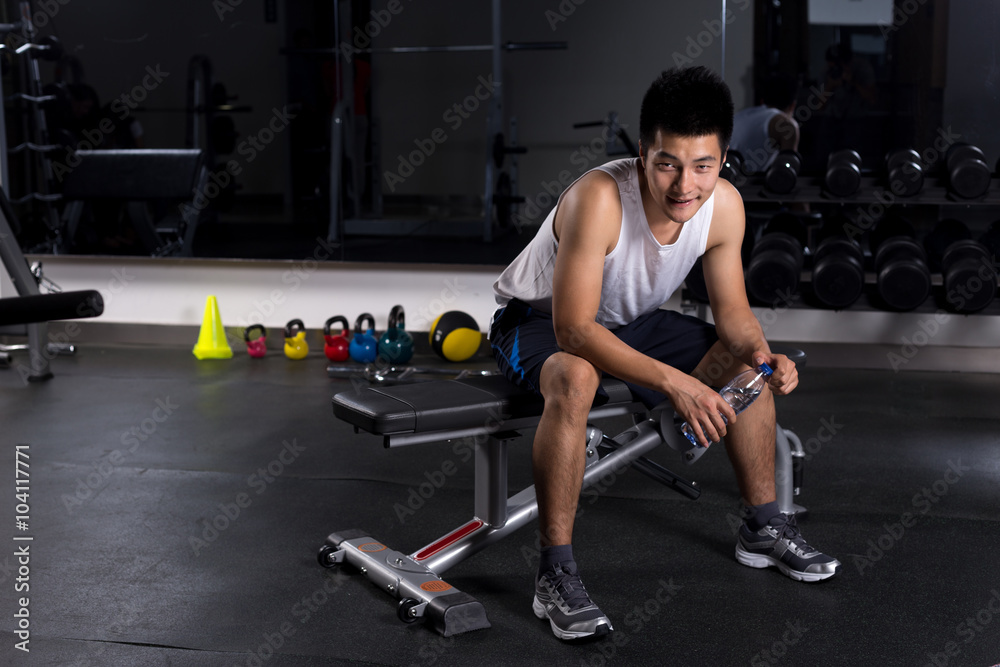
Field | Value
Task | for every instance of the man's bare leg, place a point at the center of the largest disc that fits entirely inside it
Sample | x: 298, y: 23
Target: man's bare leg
x: 558, y: 456
x: 767, y: 538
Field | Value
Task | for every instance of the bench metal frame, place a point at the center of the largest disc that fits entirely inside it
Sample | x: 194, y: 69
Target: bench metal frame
x: 415, y: 579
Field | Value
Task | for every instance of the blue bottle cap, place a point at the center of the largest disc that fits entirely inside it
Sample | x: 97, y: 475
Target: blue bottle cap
x: 765, y: 369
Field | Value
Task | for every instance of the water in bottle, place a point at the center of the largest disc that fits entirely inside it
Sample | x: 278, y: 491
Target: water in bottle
x: 741, y: 391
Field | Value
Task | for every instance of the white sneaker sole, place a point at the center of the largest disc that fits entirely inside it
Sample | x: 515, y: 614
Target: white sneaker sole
x: 542, y: 614
x: 759, y: 561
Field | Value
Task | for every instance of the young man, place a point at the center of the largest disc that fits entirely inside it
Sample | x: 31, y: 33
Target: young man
x: 583, y: 299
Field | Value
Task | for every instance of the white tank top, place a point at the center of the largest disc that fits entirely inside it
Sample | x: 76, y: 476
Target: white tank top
x: 751, y: 138
x: 640, y: 274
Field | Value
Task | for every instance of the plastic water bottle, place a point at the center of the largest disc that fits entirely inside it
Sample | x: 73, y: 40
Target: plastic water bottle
x: 741, y: 391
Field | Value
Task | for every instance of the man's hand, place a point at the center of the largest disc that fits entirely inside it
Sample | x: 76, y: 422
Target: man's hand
x: 700, y: 406
x: 785, y: 376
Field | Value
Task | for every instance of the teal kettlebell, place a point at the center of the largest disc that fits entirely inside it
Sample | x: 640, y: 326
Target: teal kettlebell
x: 364, y: 345
x: 396, y: 346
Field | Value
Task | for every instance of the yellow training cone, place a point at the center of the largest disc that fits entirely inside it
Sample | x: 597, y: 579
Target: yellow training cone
x: 212, y: 343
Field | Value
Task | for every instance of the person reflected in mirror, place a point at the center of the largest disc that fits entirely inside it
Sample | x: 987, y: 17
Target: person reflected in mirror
x: 760, y: 131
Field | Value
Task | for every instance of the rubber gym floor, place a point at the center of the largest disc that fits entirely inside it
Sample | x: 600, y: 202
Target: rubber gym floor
x: 176, y: 508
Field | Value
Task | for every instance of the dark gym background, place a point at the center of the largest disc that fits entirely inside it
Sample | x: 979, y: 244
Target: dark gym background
x: 929, y: 68
x: 139, y: 453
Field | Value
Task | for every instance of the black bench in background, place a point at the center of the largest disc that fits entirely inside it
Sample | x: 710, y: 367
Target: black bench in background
x: 135, y: 177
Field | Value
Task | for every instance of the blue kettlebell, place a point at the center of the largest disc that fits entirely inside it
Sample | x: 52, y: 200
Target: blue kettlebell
x: 396, y: 346
x: 364, y: 345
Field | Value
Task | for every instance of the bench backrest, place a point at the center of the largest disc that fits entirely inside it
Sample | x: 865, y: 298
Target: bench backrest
x: 136, y: 174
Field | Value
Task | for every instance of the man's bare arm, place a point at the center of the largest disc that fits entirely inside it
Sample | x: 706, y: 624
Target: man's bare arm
x: 735, y: 323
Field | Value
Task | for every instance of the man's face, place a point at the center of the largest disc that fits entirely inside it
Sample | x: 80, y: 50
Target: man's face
x: 681, y: 172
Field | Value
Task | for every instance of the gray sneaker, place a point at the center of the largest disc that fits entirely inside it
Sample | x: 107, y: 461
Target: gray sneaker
x: 561, y: 598
x: 780, y: 544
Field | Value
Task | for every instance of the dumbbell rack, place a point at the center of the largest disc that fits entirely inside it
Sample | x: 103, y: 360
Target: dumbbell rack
x: 873, y: 190
x: 871, y: 200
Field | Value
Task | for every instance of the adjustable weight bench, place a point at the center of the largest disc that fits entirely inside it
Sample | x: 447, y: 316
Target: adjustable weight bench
x: 489, y: 410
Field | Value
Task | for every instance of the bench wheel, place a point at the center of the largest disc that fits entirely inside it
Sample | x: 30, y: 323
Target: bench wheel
x: 403, y: 610
x: 325, y: 556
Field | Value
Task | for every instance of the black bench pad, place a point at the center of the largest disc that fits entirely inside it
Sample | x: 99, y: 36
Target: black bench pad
x: 443, y: 405
x: 134, y: 174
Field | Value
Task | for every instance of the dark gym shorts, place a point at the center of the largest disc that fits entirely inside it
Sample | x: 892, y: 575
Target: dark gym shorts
x: 522, y: 338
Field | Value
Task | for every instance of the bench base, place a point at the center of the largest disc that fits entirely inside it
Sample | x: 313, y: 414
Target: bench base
x: 415, y: 579
x: 420, y: 592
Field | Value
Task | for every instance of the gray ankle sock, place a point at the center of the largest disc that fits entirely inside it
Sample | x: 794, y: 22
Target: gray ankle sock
x: 759, y: 515
x: 561, y: 553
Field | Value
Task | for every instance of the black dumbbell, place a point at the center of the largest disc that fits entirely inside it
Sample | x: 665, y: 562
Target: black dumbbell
x: 733, y: 168
x: 905, y: 172
x: 937, y: 241
x: 838, y: 275
x: 969, y: 276
x: 843, y: 173
x: 968, y: 173
x: 968, y: 273
x: 902, y: 277
x: 783, y: 173
x: 772, y: 274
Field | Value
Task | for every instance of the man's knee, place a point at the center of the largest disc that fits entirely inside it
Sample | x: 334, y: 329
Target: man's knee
x: 718, y: 366
x: 569, y: 381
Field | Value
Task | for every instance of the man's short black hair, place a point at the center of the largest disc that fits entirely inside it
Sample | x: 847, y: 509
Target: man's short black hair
x: 691, y: 102
x: 779, y: 91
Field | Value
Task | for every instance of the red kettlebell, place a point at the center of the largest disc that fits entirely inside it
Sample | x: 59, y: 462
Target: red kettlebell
x: 337, y: 348
x: 256, y: 348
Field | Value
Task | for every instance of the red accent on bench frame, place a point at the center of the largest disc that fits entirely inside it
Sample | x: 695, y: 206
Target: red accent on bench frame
x: 448, y: 540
